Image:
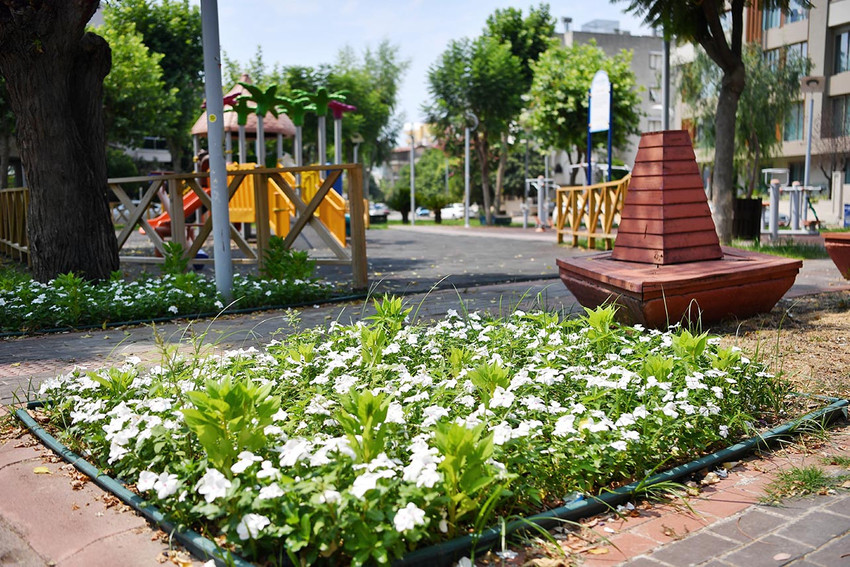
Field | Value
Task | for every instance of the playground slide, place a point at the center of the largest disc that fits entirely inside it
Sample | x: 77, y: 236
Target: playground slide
x: 191, y: 202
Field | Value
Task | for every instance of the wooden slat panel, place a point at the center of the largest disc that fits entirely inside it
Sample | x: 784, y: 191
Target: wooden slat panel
x: 661, y: 182
x: 686, y: 210
x: 671, y: 226
x: 665, y: 197
x: 667, y: 242
x: 666, y: 153
x: 665, y: 168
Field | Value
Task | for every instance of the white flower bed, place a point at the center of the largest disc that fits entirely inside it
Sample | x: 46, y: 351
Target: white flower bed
x: 359, y: 443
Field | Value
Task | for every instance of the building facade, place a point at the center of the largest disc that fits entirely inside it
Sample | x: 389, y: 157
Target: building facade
x: 647, y: 60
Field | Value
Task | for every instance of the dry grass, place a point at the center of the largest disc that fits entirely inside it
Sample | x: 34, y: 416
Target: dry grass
x: 807, y: 339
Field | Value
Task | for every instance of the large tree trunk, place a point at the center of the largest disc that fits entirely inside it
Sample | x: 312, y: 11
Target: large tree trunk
x: 5, y: 151
x: 483, y: 149
x: 54, y: 72
x: 723, y: 180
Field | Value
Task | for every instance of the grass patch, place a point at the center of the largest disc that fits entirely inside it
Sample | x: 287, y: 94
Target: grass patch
x: 785, y: 248
x: 801, y: 481
x: 837, y: 460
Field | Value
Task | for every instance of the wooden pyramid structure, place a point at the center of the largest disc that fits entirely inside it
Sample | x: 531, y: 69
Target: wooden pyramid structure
x: 667, y: 264
x: 665, y: 218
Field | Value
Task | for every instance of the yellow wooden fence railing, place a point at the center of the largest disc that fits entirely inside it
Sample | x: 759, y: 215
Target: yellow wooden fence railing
x: 13, y: 224
x: 276, y: 205
x: 590, y: 211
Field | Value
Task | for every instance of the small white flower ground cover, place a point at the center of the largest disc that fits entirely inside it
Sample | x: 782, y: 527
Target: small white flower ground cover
x: 356, y: 444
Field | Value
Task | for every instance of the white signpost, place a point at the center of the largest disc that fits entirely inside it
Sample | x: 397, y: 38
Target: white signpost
x: 599, y: 103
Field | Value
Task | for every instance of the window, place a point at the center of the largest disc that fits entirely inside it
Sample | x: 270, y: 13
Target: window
x: 841, y: 116
x: 793, y: 129
x: 771, y: 18
x: 653, y: 125
x: 797, y: 171
x: 841, y: 62
x: 771, y: 57
x: 796, y: 12
x: 797, y: 50
x: 656, y: 59
x: 655, y: 94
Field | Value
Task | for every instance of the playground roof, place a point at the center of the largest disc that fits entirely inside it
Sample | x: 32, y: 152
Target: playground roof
x: 271, y: 125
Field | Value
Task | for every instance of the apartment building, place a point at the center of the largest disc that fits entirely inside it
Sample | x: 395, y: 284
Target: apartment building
x: 822, y: 33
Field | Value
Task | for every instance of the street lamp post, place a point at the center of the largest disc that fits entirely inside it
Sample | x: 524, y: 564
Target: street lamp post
x: 412, y: 174
x: 467, y: 130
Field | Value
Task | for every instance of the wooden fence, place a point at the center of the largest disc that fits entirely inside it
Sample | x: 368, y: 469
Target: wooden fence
x: 13, y: 224
x: 274, y: 194
x: 590, y: 211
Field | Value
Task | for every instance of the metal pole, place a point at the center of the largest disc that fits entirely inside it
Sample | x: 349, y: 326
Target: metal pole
x: 337, y: 141
x: 215, y: 134
x: 323, y: 147
x: 466, y: 177
x: 412, y: 176
x: 447, y: 176
x: 243, y: 146
x: 279, y: 148
x: 228, y: 147
x: 589, y: 172
x: 665, y: 87
x: 610, y: 129
x: 808, y: 158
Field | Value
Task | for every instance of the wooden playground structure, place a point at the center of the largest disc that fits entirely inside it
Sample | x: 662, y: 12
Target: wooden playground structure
x: 265, y: 197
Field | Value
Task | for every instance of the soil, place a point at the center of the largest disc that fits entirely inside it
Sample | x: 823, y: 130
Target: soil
x: 805, y: 339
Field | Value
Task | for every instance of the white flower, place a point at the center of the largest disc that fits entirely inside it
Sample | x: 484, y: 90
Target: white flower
x: 293, y: 451
x: 213, y: 485
x: 251, y: 525
x: 166, y: 485
x: 409, y: 517
x: 502, y: 398
x: 501, y: 433
x: 280, y: 415
x: 146, y: 480
x: 246, y: 459
x: 367, y: 481
x: 724, y: 431
x: 564, y: 425
x: 173, y: 309
x: 329, y: 496
x: 433, y: 414
x: 618, y: 445
x: 464, y: 562
x: 270, y: 491
x: 267, y: 470
x: 395, y: 413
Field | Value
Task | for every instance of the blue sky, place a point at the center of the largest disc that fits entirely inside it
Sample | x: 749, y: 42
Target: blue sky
x: 298, y: 32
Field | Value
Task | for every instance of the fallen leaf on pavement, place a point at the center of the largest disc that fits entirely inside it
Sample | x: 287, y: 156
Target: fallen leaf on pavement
x: 598, y: 551
x: 41, y: 470
x: 781, y: 556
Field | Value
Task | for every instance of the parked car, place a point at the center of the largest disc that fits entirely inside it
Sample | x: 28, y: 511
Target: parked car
x: 423, y: 212
x: 455, y: 211
x: 378, y: 212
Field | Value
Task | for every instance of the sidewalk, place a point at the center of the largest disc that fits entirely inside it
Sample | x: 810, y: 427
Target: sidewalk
x: 57, y: 518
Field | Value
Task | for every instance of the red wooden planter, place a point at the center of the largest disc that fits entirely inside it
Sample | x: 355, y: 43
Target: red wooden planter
x: 838, y: 247
x: 667, y: 264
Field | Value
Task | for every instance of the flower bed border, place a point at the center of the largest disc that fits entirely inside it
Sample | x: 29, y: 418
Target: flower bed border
x: 446, y: 553
x: 192, y: 317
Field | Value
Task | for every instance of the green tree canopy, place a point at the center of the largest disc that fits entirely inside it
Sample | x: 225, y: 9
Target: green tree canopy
x: 480, y: 77
x: 718, y: 27
x: 134, y: 91
x: 558, y: 97
x: 171, y: 28
x: 528, y: 37
x: 771, y: 91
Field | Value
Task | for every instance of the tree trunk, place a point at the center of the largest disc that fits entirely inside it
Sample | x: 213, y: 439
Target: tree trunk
x: 723, y: 180
x: 5, y: 151
x: 54, y: 73
x: 500, y: 172
x: 483, y: 149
